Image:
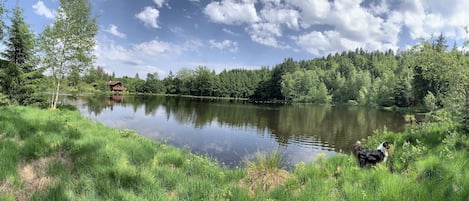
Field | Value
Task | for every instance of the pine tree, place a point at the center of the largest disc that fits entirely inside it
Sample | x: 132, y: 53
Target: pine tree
x: 19, y: 76
x: 2, y: 24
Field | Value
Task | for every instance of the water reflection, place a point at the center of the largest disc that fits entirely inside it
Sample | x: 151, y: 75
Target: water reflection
x: 232, y: 130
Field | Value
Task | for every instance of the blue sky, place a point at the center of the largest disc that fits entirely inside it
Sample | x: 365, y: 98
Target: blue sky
x: 148, y: 36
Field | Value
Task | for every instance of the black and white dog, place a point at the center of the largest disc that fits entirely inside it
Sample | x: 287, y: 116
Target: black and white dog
x: 367, y: 156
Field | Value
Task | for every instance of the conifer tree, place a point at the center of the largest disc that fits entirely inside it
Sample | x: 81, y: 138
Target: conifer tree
x: 19, y: 76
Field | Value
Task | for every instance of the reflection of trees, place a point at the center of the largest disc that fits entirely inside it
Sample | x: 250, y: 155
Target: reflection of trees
x: 339, y: 126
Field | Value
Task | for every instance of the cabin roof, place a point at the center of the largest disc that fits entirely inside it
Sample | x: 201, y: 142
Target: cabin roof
x: 112, y: 83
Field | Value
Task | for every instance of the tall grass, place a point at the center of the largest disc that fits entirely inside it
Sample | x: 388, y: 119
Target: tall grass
x: 89, y: 161
x: 264, y: 172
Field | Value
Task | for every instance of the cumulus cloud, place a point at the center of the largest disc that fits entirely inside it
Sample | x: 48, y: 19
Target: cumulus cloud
x: 319, y: 43
x: 266, y: 34
x: 149, y: 17
x: 424, y: 18
x: 154, y: 48
x: 350, y: 26
x: 312, y: 11
x: 276, y: 15
x: 41, y: 9
x: 113, y: 30
x: 231, y: 46
x: 232, y: 12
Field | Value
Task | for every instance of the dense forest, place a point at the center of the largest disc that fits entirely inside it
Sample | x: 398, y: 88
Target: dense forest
x: 429, y: 75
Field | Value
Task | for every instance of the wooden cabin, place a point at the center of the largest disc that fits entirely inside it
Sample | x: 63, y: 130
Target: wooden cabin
x: 116, y: 86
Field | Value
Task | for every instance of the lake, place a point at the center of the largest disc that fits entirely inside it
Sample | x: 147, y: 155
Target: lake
x: 233, y: 131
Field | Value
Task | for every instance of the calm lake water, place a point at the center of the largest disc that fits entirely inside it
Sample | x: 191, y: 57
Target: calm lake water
x: 233, y: 131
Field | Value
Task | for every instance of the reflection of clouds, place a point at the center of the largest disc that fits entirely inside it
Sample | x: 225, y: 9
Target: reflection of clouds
x: 231, y: 145
x: 233, y: 133
x: 306, y: 154
x: 214, y: 147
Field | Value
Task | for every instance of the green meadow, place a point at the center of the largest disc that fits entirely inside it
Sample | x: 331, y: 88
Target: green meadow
x: 60, y: 155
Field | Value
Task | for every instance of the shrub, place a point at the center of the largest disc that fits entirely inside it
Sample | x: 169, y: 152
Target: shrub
x: 4, y: 100
x: 430, y: 101
x: 410, y: 153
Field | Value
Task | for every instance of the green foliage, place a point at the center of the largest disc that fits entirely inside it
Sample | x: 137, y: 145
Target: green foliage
x: 75, y: 25
x: 428, y: 162
x: 2, y: 23
x: 4, y: 100
x: 18, y: 74
x: 465, y: 114
x: 430, y: 101
x: 402, y: 79
x: 304, y: 86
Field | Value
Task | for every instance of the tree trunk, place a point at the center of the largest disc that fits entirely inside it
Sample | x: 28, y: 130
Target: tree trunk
x: 56, y: 97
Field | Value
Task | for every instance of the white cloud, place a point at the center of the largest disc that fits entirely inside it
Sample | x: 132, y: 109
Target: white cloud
x: 159, y: 3
x: 266, y: 34
x: 232, y: 46
x: 379, y: 8
x: 192, y: 46
x: 288, y: 17
x: 155, y: 48
x: 348, y: 25
x: 149, y: 17
x: 108, y: 52
x: 137, y: 57
x: 312, y: 11
x: 113, y: 30
x: 232, y: 12
x: 424, y: 18
x: 41, y: 9
x: 230, y: 32
x: 318, y: 43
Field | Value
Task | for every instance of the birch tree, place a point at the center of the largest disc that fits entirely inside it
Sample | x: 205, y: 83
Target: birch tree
x: 68, y: 44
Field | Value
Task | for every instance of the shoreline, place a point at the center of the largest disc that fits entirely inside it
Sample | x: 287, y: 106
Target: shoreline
x: 75, y: 158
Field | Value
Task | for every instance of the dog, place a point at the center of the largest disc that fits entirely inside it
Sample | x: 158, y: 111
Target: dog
x: 370, y: 157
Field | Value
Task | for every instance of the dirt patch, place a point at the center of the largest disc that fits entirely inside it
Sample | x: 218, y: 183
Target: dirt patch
x: 33, y: 175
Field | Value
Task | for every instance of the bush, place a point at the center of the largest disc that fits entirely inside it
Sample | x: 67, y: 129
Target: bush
x: 430, y: 101
x: 4, y: 100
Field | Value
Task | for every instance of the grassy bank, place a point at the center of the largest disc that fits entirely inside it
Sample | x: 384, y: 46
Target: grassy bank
x: 59, y: 155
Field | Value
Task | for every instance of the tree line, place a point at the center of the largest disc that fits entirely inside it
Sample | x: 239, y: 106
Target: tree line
x: 429, y: 74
